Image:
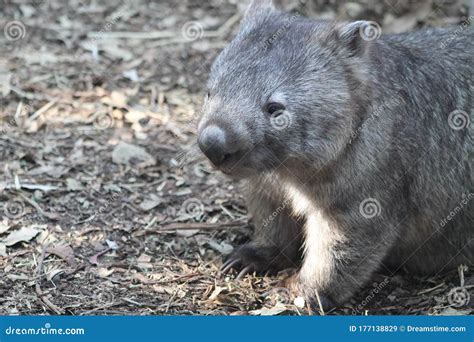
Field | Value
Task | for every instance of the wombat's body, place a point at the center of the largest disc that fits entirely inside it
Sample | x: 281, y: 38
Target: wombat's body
x: 367, y: 164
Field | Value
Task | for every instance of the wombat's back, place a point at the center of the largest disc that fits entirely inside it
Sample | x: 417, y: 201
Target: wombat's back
x: 433, y: 71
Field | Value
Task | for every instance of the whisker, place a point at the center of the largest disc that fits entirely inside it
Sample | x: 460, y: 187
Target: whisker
x: 188, y: 154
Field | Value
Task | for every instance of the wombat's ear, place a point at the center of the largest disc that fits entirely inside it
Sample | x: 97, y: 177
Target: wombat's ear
x: 356, y: 37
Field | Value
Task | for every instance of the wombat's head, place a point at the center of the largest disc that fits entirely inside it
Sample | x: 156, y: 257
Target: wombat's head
x: 281, y: 92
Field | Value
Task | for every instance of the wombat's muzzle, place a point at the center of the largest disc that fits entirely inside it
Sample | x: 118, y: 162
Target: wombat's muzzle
x: 217, y: 144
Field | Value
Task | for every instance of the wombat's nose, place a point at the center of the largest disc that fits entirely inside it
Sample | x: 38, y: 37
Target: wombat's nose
x: 214, y: 143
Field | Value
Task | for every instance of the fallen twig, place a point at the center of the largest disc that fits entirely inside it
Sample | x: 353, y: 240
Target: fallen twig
x: 45, y: 188
x: 38, y: 208
x: 42, y: 110
x: 193, y: 226
x: 431, y: 289
x: 39, y: 292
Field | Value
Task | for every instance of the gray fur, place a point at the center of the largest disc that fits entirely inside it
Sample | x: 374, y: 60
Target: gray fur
x: 368, y: 120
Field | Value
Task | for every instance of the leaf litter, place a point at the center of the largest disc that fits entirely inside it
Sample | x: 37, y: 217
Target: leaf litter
x: 98, y: 150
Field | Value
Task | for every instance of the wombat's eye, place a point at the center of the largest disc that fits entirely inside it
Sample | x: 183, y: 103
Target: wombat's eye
x: 274, y: 108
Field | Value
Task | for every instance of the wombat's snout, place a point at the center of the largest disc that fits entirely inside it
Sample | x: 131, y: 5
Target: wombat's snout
x: 216, y: 143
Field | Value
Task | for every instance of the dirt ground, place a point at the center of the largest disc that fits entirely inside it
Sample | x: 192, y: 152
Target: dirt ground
x: 104, y: 210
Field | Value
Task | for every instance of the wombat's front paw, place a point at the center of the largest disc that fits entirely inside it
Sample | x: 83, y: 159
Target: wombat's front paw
x: 315, y: 300
x: 252, y: 258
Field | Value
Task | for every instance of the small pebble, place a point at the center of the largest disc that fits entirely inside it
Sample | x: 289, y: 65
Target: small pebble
x: 299, y: 302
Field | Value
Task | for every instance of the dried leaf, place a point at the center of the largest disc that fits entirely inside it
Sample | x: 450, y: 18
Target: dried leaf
x: 95, y: 258
x: 104, y: 272
x: 223, y: 247
x: 131, y: 154
x: 73, y: 185
x: 276, y: 310
x: 143, y: 261
x: 24, y: 234
x: 216, y: 293
x: 149, y: 204
x: 65, y: 252
x: 4, y: 226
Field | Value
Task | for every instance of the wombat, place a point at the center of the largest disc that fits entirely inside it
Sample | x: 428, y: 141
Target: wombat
x: 357, y: 148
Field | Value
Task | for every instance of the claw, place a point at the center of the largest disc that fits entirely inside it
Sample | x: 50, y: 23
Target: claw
x: 228, y: 265
x: 243, y: 272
